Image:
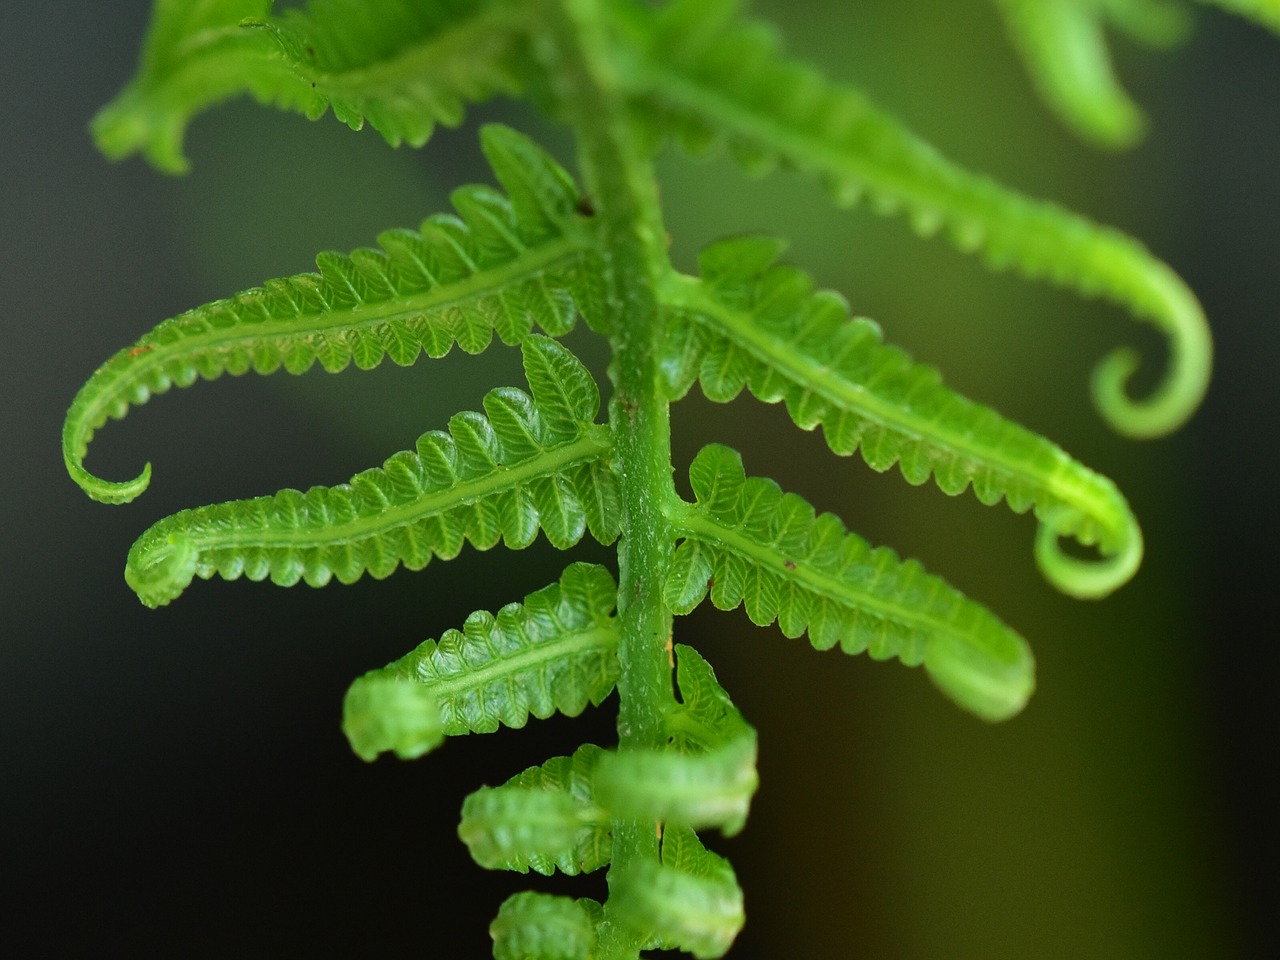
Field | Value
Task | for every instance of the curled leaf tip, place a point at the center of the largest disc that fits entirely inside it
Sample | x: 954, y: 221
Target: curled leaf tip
x: 1184, y: 383
x: 98, y: 401
x: 1087, y: 579
x: 383, y: 713
x: 107, y: 491
x: 160, y: 567
x: 993, y: 682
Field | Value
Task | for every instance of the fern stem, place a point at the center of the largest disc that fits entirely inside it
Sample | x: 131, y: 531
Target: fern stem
x: 621, y: 181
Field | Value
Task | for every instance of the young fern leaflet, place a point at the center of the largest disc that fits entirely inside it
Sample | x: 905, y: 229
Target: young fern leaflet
x: 524, y: 263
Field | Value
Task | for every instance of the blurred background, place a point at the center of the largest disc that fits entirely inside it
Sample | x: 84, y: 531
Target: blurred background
x: 175, y: 782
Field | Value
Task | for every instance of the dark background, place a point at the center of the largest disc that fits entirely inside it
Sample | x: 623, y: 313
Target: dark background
x: 175, y: 782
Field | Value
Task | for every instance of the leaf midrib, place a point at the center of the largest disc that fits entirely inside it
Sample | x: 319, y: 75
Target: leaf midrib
x: 689, y: 293
x: 695, y: 524
x: 530, y: 657
x: 531, y: 262
x: 594, y: 440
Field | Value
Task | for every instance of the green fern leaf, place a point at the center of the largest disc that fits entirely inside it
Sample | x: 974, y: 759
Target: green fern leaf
x: 690, y: 902
x: 754, y: 324
x: 488, y: 479
x: 544, y: 819
x: 501, y: 265
x: 706, y: 777
x: 706, y: 718
x: 404, y: 65
x: 747, y: 543
x: 382, y: 711
x: 555, y: 652
x: 735, y: 87
x: 1064, y: 47
x: 507, y: 829
x: 196, y: 55
x: 539, y: 926
x: 712, y: 789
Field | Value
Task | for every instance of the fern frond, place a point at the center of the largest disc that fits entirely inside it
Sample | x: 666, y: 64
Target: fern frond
x: 544, y: 819
x: 706, y: 776
x: 196, y: 55
x: 532, y: 464
x: 752, y: 323
x: 555, y: 652
x: 1263, y: 12
x: 1063, y: 45
x: 405, y: 65
x: 384, y: 712
x: 735, y: 87
x: 705, y: 718
x: 711, y: 789
x: 747, y: 543
x: 501, y: 265
x: 539, y: 926
x: 690, y: 902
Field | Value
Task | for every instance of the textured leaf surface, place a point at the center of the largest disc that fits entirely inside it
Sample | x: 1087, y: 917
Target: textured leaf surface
x: 708, y: 83
x: 706, y: 718
x: 1063, y: 43
x: 690, y: 902
x: 386, y: 712
x: 539, y: 926
x: 749, y: 544
x: 502, y: 264
x: 750, y: 323
x: 554, y: 652
x: 405, y: 65
x: 531, y: 464
x: 544, y: 819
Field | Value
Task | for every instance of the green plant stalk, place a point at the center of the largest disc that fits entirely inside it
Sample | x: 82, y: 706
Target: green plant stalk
x: 624, y: 191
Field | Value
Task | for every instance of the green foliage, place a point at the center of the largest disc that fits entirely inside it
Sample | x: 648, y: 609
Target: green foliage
x: 749, y: 544
x: 690, y: 901
x: 556, y: 652
x: 1064, y: 45
x: 544, y: 819
x: 545, y: 927
x: 705, y: 86
x: 531, y: 464
x: 628, y: 77
x: 502, y: 265
x: 751, y: 323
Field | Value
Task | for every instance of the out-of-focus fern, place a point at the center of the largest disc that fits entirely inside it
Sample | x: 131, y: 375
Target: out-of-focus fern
x: 705, y: 86
x: 626, y: 77
x: 1064, y: 45
x: 402, y: 64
